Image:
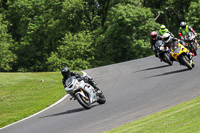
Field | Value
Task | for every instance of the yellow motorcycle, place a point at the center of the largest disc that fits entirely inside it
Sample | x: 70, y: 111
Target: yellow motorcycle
x: 181, y: 54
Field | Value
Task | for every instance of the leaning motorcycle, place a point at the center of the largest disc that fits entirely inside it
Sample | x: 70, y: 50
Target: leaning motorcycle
x: 163, y: 52
x: 180, y: 54
x: 83, y: 92
x: 191, y: 43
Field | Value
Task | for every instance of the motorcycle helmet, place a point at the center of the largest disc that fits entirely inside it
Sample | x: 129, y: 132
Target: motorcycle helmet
x: 162, y: 27
x: 154, y: 35
x: 65, y: 72
x: 166, y: 37
x: 183, y: 25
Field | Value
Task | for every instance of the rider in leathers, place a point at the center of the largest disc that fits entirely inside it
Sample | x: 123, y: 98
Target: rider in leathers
x: 170, y: 42
x: 184, y: 28
x: 67, y: 74
x: 154, y: 38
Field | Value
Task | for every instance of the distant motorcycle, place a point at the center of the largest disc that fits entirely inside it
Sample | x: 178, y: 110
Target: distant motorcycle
x: 163, y: 52
x: 180, y: 54
x: 191, y: 43
x: 83, y: 92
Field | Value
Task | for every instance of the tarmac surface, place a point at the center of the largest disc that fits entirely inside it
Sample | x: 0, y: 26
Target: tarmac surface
x: 133, y: 90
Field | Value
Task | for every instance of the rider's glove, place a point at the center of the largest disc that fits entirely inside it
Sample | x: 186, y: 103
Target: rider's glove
x: 182, y: 38
x: 85, y: 79
x: 79, y: 78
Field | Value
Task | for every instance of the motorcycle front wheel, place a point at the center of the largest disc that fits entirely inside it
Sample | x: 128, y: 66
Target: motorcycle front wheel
x: 168, y: 59
x: 84, y: 101
x: 186, y: 62
x: 194, y: 50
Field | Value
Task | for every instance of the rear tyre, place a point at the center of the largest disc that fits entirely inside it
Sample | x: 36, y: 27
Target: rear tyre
x: 102, y: 99
x: 85, y: 102
x: 186, y: 62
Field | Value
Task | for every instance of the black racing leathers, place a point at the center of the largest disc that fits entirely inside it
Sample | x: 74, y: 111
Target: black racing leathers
x: 153, y: 42
x: 80, y: 77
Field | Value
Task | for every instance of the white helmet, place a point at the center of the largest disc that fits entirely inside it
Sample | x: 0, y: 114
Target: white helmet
x: 166, y: 37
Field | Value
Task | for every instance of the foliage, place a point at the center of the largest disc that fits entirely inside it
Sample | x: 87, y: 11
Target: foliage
x: 118, y: 30
x: 6, y: 43
x: 193, y: 16
x: 128, y: 32
x: 170, y: 12
x: 38, y: 25
x: 76, y: 52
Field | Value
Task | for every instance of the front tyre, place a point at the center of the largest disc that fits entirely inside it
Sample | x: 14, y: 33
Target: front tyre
x: 167, y: 59
x: 194, y: 49
x: 186, y: 62
x: 84, y: 101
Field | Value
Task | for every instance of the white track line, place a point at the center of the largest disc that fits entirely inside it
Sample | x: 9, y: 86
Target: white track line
x: 59, y: 101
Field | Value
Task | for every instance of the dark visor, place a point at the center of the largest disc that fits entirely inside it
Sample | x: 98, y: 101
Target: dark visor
x: 153, y: 36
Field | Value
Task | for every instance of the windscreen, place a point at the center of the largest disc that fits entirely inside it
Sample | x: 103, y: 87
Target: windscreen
x: 158, y: 43
x: 69, y: 81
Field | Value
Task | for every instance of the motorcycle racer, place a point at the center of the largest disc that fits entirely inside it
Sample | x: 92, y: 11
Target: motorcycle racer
x: 170, y: 42
x: 184, y: 28
x: 154, y: 38
x: 65, y: 71
x: 164, y: 30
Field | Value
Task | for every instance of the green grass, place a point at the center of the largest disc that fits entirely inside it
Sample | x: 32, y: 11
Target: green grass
x: 22, y: 94
x: 183, y: 118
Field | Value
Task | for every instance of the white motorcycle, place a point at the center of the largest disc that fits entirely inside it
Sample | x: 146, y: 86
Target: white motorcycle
x: 83, y: 92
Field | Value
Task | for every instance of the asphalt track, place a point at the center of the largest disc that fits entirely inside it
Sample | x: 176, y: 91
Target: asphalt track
x: 133, y: 89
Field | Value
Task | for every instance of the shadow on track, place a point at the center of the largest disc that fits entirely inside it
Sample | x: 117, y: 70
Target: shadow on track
x: 152, y: 68
x: 66, y: 112
x: 167, y: 73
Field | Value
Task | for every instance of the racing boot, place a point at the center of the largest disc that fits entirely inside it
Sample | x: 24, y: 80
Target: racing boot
x: 97, y: 89
x: 191, y: 55
x: 94, y: 84
x: 156, y: 54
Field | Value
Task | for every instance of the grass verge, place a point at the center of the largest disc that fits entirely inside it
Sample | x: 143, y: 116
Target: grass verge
x: 23, y: 94
x: 183, y: 118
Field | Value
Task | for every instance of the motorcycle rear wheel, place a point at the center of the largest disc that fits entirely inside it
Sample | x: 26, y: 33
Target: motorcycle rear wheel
x: 102, y: 99
x: 83, y: 101
x: 186, y: 62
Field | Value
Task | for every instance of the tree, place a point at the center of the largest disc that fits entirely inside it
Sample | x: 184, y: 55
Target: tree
x: 76, y: 52
x: 38, y: 25
x: 170, y: 12
x: 192, y: 16
x: 128, y: 32
x: 8, y: 59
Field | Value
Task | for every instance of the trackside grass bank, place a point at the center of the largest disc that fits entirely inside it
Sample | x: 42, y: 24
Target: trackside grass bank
x: 183, y: 118
x: 23, y: 94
